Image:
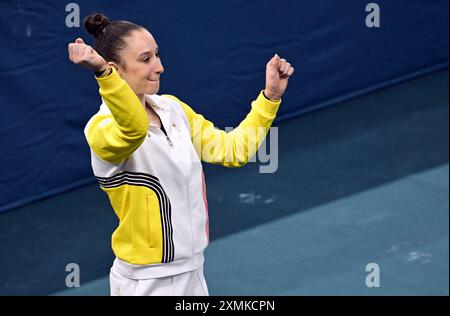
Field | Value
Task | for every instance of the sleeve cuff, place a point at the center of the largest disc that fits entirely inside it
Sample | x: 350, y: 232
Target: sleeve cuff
x: 110, y: 82
x: 267, y: 107
x: 104, y: 73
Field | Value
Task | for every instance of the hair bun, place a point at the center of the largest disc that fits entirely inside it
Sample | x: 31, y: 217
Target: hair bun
x: 96, y: 23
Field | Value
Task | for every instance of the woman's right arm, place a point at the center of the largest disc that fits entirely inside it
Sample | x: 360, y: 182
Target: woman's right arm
x: 113, y: 137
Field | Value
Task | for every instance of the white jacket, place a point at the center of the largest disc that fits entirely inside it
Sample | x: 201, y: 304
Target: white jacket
x: 154, y: 179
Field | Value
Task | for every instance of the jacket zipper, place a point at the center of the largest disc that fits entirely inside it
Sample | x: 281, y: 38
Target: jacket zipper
x: 169, y: 141
x: 167, y: 136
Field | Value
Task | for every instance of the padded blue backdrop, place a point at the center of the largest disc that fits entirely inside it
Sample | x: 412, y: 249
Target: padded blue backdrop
x: 214, y: 53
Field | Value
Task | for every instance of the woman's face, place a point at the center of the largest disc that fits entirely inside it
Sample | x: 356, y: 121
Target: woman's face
x: 141, y: 66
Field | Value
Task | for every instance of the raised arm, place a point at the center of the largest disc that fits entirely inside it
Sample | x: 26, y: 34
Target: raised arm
x: 116, y: 135
x: 236, y: 148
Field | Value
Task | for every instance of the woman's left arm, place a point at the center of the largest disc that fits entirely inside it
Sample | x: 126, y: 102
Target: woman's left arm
x: 236, y: 148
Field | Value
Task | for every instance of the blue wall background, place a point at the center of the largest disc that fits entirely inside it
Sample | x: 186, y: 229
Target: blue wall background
x: 214, y: 53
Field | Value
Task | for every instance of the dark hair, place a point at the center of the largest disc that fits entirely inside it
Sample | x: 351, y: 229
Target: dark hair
x: 109, y: 36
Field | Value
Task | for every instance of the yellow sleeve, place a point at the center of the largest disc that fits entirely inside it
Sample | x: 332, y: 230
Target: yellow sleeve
x: 113, y: 137
x: 237, y: 147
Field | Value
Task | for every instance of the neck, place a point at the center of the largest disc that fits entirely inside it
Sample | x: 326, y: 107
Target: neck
x: 141, y: 98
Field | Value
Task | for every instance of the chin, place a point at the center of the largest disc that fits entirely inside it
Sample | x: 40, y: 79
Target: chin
x: 153, y: 89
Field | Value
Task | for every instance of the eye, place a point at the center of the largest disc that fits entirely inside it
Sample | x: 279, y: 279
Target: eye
x: 146, y: 60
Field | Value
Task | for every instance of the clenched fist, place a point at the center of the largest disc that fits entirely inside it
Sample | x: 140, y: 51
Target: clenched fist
x: 86, y: 56
x: 278, y: 72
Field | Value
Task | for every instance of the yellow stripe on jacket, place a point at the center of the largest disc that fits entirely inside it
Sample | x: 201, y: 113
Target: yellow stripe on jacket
x: 139, y: 237
x: 115, y: 137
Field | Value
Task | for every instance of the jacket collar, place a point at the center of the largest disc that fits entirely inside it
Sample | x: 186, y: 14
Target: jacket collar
x: 156, y: 101
x: 160, y: 106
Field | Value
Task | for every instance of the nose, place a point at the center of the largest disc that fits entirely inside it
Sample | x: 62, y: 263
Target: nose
x: 159, y: 68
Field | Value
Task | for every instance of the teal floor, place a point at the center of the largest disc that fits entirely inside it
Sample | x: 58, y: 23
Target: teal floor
x: 363, y: 182
x: 401, y: 226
